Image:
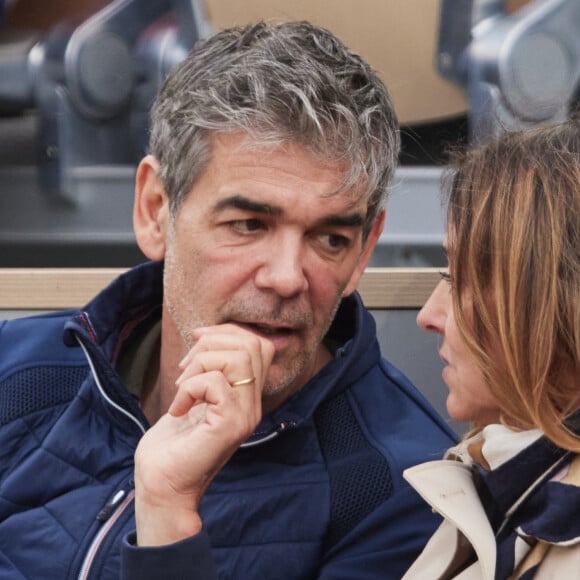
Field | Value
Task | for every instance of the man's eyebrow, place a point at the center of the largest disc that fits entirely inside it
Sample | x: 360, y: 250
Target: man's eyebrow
x: 245, y: 204
x: 353, y: 220
x: 240, y: 202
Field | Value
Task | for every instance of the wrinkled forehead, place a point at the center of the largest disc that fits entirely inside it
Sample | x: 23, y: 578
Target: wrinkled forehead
x: 351, y: 179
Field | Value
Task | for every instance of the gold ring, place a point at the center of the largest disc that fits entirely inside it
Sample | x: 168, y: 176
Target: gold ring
x: 244, y: 382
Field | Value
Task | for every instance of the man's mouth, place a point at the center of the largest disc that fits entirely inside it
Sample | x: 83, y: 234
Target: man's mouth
x: 267, y: 330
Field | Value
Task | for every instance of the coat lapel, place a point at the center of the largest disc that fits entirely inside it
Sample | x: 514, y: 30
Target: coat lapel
x: 448, y: 487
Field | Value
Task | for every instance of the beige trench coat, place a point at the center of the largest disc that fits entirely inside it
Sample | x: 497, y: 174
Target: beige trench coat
x: 448, y: 487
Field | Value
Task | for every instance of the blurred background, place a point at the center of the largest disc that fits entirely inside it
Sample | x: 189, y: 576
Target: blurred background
x: 77, y: 80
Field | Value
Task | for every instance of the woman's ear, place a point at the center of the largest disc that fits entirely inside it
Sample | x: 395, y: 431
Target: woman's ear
x: 150, y: 210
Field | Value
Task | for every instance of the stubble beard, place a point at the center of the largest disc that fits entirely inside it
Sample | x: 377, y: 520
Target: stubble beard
x: 302, y: 364
x: 286, y: 368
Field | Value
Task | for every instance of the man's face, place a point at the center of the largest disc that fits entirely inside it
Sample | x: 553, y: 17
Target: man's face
x: 260, y: 243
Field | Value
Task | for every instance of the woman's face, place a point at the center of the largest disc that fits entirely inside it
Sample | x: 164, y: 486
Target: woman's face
x: 469, y: 399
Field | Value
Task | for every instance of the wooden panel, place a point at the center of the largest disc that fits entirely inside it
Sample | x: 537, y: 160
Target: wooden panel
x: 384, y: 288
x: 51, y: 288
x: 55, y: 288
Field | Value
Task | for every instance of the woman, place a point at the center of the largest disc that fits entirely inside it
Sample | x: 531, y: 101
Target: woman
x: 508, y: 314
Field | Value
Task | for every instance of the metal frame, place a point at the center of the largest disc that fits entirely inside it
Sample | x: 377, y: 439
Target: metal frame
x: 518, y: 69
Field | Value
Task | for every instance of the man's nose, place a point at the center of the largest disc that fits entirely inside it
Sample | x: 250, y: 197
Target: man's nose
x: 432, y: 316
x: 282, y: 267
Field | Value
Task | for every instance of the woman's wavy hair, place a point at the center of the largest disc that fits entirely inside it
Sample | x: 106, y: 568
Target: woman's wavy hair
x: 514, y: 225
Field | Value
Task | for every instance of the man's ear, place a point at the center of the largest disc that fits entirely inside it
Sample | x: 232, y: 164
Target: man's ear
x: 151, y: 210
x: 367, y: 252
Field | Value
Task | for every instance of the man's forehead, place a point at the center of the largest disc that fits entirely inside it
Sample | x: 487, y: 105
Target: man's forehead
x: 267, y: 145
x: 241, y: 154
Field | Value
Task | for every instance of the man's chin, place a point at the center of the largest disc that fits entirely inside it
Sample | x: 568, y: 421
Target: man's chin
x: 287, y: 375
x: 272, y: 389
x: 280, y: 386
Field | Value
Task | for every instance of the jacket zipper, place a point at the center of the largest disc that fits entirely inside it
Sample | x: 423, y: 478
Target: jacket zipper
x: 113, y: 504
x: 282, y: 427
x: 122, y: 499
x: 116, y: 506
x: 110, y: 513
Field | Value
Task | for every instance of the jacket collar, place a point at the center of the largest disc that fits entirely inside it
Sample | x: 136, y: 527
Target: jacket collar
x: 137, y: 295
x: 117, y: 309
x: 102, y: 325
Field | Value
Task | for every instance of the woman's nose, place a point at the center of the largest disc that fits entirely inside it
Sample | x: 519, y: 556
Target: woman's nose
x: 432, y: 316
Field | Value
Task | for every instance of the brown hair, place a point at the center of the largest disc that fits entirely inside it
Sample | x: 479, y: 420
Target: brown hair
x: 514, y: 223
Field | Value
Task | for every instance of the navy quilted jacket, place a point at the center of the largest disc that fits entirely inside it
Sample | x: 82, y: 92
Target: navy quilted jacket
x: 317, y: 492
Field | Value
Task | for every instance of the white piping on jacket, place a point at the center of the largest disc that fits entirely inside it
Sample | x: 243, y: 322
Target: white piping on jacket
x: 260, y: 441
x: 98, y: 539
x: 104, y: 394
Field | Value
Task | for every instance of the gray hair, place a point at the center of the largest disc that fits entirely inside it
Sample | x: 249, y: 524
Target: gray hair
x: 286, y: 83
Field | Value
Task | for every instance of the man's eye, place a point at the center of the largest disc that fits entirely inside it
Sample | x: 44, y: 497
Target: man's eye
x: 247, y: 226
x: 335, y: 241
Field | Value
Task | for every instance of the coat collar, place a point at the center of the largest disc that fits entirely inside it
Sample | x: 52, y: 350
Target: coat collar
x: 538, y: 490
x: 449, y: 488
x: 534, y: 464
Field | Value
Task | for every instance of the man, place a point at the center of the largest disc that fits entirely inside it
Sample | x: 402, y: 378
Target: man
x: 274, y: 435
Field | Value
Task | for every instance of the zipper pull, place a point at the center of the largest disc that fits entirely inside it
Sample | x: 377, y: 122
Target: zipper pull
x: 107, y: 511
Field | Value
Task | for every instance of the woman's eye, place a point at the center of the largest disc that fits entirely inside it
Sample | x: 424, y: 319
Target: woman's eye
x: 445, y: 275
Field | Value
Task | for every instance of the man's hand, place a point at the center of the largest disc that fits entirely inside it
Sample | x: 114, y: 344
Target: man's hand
x: 216, y: 407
